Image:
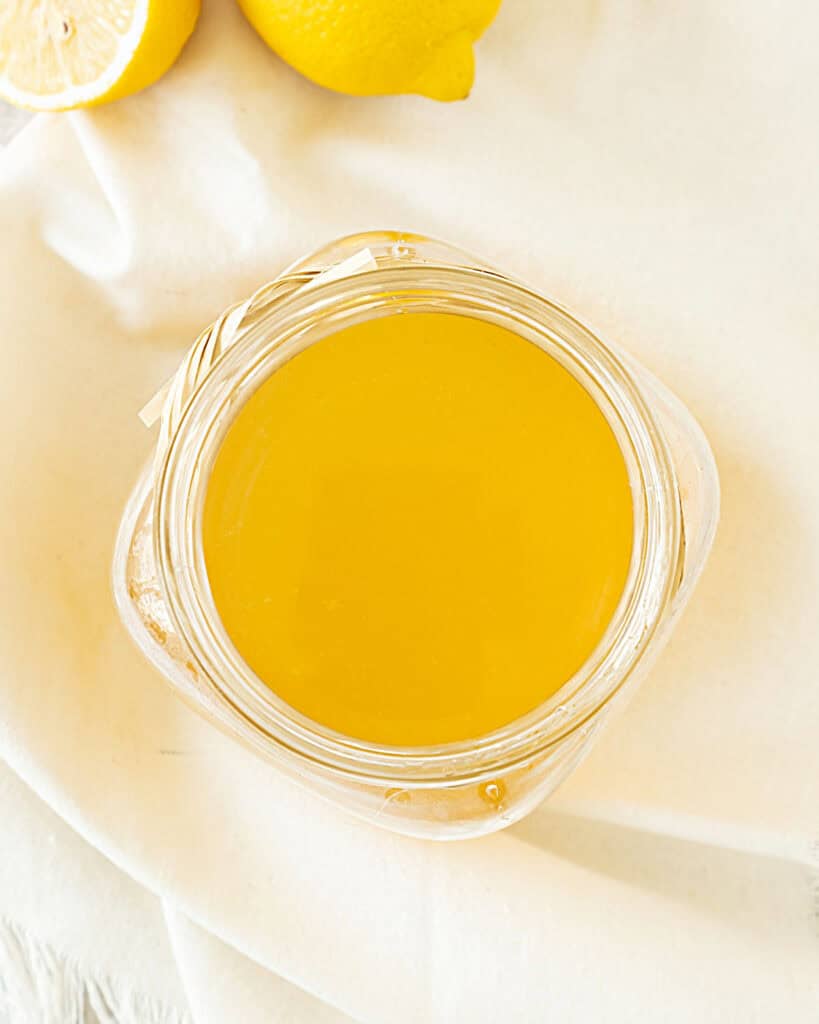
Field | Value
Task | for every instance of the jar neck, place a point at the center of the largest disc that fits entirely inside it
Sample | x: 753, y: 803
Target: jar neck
x: 275, y: 326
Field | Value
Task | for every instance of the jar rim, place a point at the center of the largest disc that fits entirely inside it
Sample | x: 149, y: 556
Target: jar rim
x: 281, y: 329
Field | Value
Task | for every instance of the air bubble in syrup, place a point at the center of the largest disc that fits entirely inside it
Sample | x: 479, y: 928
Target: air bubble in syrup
x: 401, y: 251
x: 492, y: 792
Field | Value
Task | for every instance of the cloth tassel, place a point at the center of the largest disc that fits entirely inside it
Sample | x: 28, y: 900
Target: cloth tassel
x: 39, y: 985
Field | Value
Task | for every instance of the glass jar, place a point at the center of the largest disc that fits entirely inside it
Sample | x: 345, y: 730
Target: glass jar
x: 455, y: 790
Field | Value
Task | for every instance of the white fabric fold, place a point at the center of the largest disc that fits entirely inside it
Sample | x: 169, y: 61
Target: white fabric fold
x: 75, y: 931
x: 650, y: 168
x: 223, y: 985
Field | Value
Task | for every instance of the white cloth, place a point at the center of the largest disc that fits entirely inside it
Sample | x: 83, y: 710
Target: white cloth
x: 12, y: 120
x: 652, y: 167
x: 69, y: 901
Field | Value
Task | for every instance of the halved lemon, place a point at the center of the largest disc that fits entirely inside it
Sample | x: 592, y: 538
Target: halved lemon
x: 61, y: 54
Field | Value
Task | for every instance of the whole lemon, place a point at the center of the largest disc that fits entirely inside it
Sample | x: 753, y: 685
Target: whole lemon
x: 373, y: 47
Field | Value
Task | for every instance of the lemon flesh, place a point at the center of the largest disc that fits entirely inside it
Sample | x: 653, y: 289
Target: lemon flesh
x: 62, y: 54
x: 376, y: 47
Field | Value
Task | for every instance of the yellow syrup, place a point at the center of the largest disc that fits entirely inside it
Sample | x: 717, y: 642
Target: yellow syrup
x: 418, y: 529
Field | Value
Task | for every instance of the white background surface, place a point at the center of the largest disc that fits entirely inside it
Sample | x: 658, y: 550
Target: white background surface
x: 11, y: 121
x: 651, y: 166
